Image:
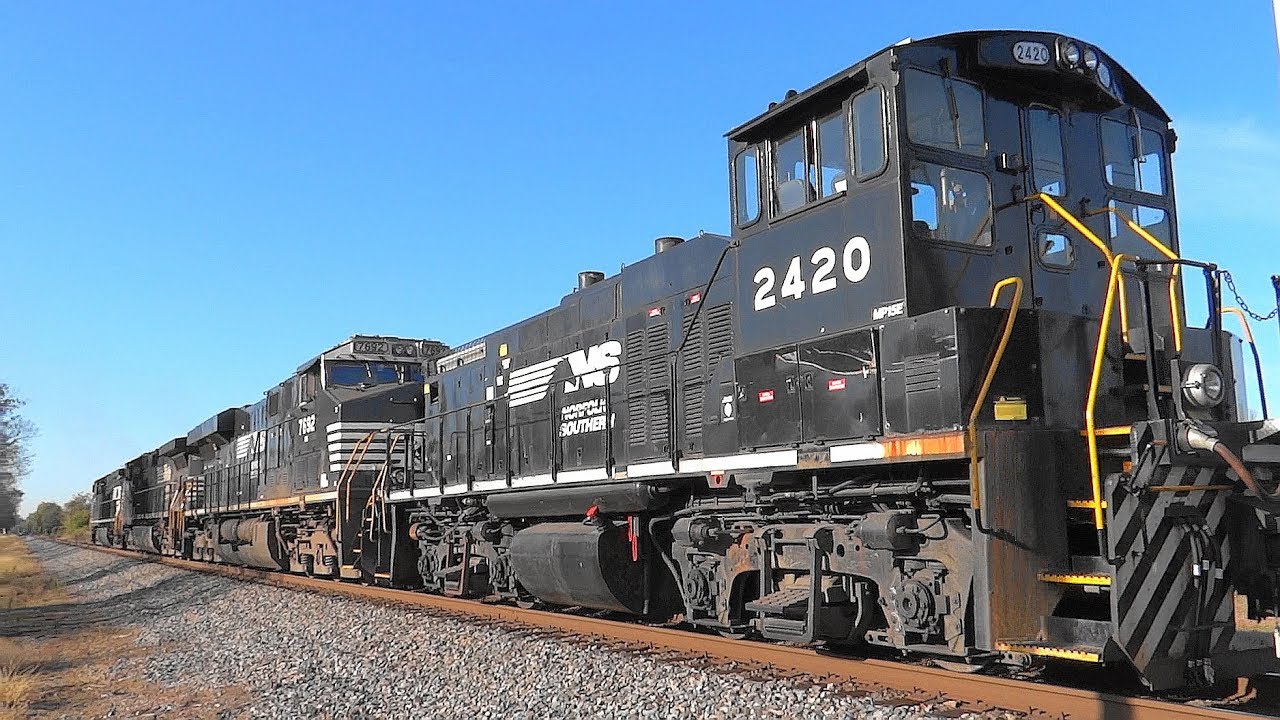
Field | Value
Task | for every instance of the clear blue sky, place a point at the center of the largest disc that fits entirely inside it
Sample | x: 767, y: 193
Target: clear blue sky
x: 194, y: 198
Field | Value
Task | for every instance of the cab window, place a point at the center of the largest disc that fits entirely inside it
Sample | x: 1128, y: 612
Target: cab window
x: 868, y: 132
x: 356, y: 374
x: 746, y: 178
x: 950, y: 205
x: 1048, y: 165
x: 791, y: 179
x: 944, y: 113
x: 1125, y: 240
x: 833, y: 158
x: 307, y: 384
x: 1133, y: 159
x: 1056, y: 250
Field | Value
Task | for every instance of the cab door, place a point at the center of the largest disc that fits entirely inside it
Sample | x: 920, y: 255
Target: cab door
x: 1008, y: 158
x: 967, y: 230
x: 1061, y: 259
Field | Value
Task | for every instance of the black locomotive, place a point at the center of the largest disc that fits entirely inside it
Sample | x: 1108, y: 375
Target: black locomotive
x: 936, y: 393
x: 258, y: 485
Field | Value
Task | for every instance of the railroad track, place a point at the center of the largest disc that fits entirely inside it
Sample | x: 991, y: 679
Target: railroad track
x: 889, y: 682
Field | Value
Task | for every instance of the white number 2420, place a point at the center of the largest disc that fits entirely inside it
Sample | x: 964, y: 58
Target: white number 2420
x: 855, y: 261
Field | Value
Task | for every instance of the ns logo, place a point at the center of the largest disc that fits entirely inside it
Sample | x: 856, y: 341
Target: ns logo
x: 590, y: 366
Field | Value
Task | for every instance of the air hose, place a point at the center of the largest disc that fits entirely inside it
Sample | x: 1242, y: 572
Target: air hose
x: 1197, y: 439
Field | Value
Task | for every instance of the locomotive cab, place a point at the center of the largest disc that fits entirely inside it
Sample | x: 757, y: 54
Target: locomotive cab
x: 916, y: 181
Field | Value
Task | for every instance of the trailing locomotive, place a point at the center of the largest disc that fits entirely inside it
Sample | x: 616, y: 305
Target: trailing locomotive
x: 936, y: 392
x: 259, y: 485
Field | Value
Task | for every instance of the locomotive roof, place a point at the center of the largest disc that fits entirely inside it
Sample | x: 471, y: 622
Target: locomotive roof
x: 1135, y: 93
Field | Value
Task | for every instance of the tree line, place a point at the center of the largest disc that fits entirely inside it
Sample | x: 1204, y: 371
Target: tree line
x: 16, y: 433
x: 71, y: 519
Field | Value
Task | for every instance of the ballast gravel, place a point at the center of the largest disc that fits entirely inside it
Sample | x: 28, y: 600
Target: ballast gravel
x: 304, y: 655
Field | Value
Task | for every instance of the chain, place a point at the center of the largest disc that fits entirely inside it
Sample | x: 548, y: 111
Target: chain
x: 1231, y: 284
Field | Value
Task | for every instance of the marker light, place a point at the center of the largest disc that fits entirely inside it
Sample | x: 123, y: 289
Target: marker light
x: 1071, y: 53
x: 1104, y: 75
x: 1091, y: 58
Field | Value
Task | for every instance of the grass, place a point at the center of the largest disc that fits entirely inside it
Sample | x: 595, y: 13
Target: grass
x: 22, y: 582
x: 63, y: 674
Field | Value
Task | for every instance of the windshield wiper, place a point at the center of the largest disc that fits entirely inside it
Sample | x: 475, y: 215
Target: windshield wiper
x: 1139, y: 157
x: 954, y: 108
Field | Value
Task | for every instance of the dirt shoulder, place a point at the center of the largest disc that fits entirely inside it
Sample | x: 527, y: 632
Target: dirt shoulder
x: 61, y: 657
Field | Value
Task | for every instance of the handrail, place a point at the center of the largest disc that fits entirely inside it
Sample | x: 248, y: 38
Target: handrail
x: 1257, y: 360
x: 1099, y: 355
x: 377, y: 493
x: 975, y: 493
x: 1089, y: 235
x: 362, y: 447
x: 1174, y: 310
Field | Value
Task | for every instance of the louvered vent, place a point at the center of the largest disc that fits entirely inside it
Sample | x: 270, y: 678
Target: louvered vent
x: 691, y: 356
x: 720, y: 333
x: 921, y: 372
x: 635, y: 360
x: 636, y: 419
x: 693, y: 414
x: 656, y: 339
x: 659, y: 412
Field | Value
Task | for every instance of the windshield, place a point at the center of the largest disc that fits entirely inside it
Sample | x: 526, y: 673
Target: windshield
x: 1134, y: 159
x: 944, y: 113
x: 354, y: 374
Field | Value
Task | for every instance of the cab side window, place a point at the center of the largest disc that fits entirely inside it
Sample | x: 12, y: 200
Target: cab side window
x: 833, y: 156
x: 791, y: 179
x: 746, y: 186
x: 868, y: 132
x: 950, y: 205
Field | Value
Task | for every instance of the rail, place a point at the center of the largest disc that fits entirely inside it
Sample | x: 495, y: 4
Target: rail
x: 975, y: 492
x: 973, y: 692
x: 1257, y: 359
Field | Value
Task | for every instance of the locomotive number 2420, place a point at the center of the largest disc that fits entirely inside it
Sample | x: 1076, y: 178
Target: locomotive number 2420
x: 855, y: 261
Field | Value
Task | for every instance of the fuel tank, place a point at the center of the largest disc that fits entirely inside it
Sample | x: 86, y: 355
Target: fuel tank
x: 251, y: 542
x: 143, y: 537
x: 574, y: 563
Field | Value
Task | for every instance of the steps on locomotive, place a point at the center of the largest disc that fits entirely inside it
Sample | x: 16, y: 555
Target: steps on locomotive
x: 791, y: 603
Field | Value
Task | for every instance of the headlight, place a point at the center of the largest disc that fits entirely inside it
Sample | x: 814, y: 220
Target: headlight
x: 1203, y: 386
x: 1091, y: 58
x: 1104, y: 75
x: 1071, y: 53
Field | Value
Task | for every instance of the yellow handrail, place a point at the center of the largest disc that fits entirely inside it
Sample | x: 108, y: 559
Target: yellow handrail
x: 975, y: 494
x: 1248, y: 333
x: 1089, y: 235
x: 1175, y: 311
x: 1099, y: 355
